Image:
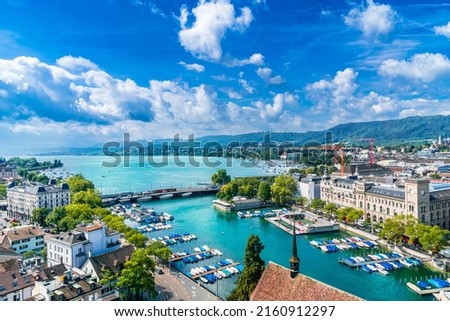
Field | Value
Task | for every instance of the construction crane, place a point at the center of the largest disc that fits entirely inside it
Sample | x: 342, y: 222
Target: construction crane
x: 339, y: 157
x: 371, y: 152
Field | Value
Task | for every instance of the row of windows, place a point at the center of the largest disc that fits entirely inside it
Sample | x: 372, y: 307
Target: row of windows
x: 58, y: 248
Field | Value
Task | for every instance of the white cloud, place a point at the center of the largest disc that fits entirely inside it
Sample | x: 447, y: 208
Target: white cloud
x: 193, y: 67
x: 266, y: 74
x: 256, y: 59
x: 329, y: 93
x: 424, y: 67
x: 246, y: 86
x: 373, y: 20
x: 272, y: 111
x: 212, y: 20
x: 76, y: 63
x: 443, y: 30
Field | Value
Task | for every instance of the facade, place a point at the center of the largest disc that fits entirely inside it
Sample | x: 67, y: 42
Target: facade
x: 7, y: 171
x: 74, y: 248
x: 22, y: 200
x: 23, y: 239
x: 13, y: 285
x: 309, y: 187
x: 428, y: 203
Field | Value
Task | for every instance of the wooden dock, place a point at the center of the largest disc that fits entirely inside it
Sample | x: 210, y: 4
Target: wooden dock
x: 420, y: 291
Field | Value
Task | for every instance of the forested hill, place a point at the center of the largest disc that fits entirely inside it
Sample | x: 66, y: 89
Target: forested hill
x: 388, y: 132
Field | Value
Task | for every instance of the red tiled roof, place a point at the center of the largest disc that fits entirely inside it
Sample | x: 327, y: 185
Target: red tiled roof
x: 276, y: 284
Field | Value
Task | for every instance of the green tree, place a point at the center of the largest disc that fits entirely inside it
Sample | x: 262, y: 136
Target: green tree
x: 283, y: 189
x: 2, y: 190
x: 317, y: 204
x: 393, y: 229
x: 78, y: 183
x: 89, y: 197
x: 220, y: 177
x: 302, y: 201
x: 56, y: 215
x: 253, y: 269
x: 433, y: 239
x: 354, y: 215
x: 342, y: 213
x: 264, y: 193
x: 138, y: 276
x: 160, y: 250
x: 39, y: 215
x: 330, y: 209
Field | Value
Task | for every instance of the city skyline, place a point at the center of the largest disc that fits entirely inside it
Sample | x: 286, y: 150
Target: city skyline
x: 82, y: 73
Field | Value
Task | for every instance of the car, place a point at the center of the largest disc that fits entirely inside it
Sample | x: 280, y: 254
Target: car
x: 160, y: 271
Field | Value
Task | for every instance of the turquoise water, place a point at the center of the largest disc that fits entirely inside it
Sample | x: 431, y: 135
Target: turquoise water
x: 229, y: 234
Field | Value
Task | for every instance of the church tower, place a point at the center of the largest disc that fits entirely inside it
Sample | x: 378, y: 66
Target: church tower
x: 294, y: 262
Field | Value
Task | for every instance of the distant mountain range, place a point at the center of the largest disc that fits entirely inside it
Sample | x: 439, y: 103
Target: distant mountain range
x: 411, y: 130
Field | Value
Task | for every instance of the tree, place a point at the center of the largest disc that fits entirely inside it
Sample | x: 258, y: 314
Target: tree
x: 138, y: 276
x: 283, y: 190
x: 354, y: 215
x: 78, y: 183
x: 253, y: 269
x: 302, y: 200
x: 220, y: 177
x: 393, y: 229
x: 317, y: 204
x: 89, y: 197
x: 433, y: 239
x: 330, y: 209
x: 55, y: 216
x: 342, y: 213
x: 264, y: 193
x: 2, y: 190
x: 160, y: 250
x: 39, y: 215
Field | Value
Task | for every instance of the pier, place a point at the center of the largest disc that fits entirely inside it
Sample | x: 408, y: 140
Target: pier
x: 420, y: 291
x: 179, y: 258
x: 157, y: 194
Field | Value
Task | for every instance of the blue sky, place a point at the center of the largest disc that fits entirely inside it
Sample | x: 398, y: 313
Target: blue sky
x: 82, y: 72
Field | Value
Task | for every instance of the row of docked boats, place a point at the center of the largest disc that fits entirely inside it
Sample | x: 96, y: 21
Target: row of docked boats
x: 175, y: 238
x: 153, y: 227
x: 257, y: 213
x: 436, y: 283
x: 214, y: 272
x: 349, y: 243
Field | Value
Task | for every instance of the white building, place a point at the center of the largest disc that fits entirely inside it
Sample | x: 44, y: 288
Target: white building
x: 74, y: 248
x: 7, y: 171
x: 23, y: 239
x: 309, y: 187
x: 22, y: 200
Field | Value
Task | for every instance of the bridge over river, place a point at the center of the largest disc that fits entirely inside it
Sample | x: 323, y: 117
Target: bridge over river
x: 157, y: 194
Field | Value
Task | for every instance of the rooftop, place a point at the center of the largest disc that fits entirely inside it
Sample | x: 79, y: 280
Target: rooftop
x: 387, y: 191
x: 276, y: 284
x: 72, y: 237
x: 19, y: 233
x: 113, y: 260
x: 10, y: 278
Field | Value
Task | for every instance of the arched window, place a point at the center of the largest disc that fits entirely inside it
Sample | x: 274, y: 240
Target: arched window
x: 388, y: 211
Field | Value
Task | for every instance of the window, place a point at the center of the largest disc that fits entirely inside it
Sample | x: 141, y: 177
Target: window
x: 423, y: 218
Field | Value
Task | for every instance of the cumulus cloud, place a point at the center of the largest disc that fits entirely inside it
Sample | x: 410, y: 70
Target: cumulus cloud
x: 256, y: 59
x: 443, y: 30
x: 266, y: 74
x: 212, y: 20
x: 193, y: 67
x: 272, y: 111
x: 373, y: 20
x: 424, y: 67
x: 333, y: 92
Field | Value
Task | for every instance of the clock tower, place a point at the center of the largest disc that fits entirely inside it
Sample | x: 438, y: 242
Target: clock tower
x: 417, y: 199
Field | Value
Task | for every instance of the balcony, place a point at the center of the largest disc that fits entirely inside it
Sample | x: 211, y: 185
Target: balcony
x: 112, y: 244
